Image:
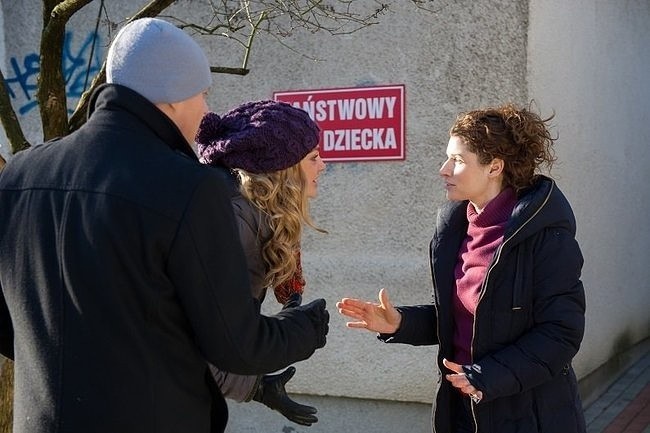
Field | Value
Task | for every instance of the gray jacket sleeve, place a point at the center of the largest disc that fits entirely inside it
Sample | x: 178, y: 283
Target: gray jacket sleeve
x: 237, y: 387
x: 252, y: 233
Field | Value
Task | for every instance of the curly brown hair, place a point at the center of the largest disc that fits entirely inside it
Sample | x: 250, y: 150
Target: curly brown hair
x: 516, y: 135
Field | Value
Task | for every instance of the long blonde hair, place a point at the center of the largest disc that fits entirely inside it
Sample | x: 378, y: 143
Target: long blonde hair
x: 282, y: 198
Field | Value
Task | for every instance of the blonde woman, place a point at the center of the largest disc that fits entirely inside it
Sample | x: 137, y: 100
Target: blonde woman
x: 268, y: 150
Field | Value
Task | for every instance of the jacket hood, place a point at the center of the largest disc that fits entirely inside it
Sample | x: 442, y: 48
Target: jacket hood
x: 541, y: 206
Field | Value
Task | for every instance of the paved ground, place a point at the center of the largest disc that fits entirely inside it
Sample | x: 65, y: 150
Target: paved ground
x: 625, y: 406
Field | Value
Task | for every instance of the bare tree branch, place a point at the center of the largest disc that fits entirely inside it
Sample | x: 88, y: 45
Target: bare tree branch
x: 78, y: 117
x: 226, y: 70
x: 239, y: 21
x: 9, y: 120
x: 251, y: 37
x: 152, y: 9
x: 279, y: 18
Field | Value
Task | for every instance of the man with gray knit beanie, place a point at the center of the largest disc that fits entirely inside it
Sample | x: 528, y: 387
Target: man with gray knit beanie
x: 121, y: 269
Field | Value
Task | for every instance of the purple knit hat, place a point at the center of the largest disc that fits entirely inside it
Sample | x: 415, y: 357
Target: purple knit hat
x: 258, y: 136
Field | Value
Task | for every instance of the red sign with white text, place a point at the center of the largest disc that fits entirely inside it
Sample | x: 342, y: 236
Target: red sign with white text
x: 357, y: 124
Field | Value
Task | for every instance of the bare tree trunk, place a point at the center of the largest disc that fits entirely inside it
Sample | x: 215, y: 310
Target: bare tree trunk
x: 6, y: 394
x: 51, y: 96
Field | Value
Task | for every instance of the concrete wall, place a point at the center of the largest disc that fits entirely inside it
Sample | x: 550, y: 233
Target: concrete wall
x: 587, y: 61
x: 21, y: 31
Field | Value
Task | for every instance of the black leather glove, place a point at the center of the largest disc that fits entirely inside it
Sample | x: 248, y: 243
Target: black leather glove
x: 271, y: 393
x: 319, y: 318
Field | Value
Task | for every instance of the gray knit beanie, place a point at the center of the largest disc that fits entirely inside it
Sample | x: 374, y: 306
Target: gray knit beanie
x: 158, y: 60
x: 258, y: 136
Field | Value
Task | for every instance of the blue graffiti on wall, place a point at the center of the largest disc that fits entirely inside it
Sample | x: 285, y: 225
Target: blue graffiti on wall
x: 22, y: 85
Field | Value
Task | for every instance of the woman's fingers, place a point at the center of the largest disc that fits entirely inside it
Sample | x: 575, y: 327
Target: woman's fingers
x: 378, y: 317
x: 384, y: 300
x: 351, y: 313
x: 459, y: 380
x: 362, y: 325
x: 352, y: 310
x: 456, y: 368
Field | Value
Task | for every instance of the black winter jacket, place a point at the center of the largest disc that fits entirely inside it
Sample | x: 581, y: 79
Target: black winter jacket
x: 529, y: 320
x: 122, y: 273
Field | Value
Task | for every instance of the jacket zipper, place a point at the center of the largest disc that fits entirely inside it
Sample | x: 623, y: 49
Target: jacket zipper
x: 485, y: 283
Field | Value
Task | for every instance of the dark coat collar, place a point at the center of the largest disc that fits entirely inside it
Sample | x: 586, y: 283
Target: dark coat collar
x: 117, y: 97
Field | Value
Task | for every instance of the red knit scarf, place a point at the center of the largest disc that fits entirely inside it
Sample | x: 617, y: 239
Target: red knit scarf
x: 295, y: 284
x: 484, y: 235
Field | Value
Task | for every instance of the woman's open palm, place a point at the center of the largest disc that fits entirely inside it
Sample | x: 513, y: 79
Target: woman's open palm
x: 381, y: 317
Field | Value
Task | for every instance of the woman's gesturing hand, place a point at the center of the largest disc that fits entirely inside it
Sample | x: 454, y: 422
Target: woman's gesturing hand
x: 459, y: 381
x: 382, y: 317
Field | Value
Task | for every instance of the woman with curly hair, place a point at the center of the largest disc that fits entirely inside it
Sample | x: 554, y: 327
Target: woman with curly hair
x: 508, y: 303
x: 268, y: 150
